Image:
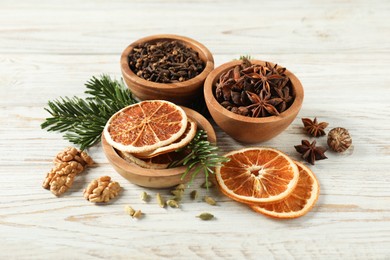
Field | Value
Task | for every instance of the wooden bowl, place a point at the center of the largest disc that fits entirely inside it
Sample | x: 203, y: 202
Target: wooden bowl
x: 155, y: 178
x: 182, y: 93
x: 248, y: 129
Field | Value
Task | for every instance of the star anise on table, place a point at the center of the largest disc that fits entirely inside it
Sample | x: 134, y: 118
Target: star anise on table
x: 310, y: 152
x: 262, y: 104
x: 313, y: 127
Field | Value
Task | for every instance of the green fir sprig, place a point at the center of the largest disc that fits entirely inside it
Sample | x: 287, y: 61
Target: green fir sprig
x: 83, y: 120
x: 202, y: 157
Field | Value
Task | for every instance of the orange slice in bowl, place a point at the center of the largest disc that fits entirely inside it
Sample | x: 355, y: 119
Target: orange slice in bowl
x: 188, y: 135
x: 158, y: 162
x: 257, y: 175
x: 299, y: 202
x: 145, y: 126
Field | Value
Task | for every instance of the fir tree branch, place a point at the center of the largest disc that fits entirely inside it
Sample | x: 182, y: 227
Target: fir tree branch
x: 83, y: 120
x: 111, y: 92
x: 203, y: 156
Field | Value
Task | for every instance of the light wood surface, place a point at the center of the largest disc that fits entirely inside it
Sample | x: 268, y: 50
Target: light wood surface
x: 340, y: 50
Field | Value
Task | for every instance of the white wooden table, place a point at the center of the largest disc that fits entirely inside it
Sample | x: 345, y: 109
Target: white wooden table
x: 340, y: 50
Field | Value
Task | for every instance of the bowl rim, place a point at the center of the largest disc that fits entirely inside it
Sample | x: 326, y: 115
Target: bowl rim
x: 134, y: 169
x: 199, y: 47
x: 212, y: 101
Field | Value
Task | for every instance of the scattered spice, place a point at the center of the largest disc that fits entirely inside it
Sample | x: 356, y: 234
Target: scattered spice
x: 313, y: 127
x: 102, y: 190
x: 165, y: 62
x: 207, y: 184
x: 172, y: 203
x: 209, y: 200
x: 160, y: 200
x: 194, y: 194
x: 339, y: 139
x: 132, y: 212
x: 205, y: 216
x: 178, y: 194
x: 310, y: 152
x: 255, y: 90
x: 181, y: 186
x: 129, y: 210
x: 144, y: 196
x: 137, y: 214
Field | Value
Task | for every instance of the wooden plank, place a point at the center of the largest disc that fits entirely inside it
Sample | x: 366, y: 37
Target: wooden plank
x: 340, y: 50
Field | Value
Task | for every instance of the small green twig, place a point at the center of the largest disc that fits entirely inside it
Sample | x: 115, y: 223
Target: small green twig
x: 203, y: 156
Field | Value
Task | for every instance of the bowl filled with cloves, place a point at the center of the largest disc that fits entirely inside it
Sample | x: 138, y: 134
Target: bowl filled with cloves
x: 166, y: 66
x: 253, y: 100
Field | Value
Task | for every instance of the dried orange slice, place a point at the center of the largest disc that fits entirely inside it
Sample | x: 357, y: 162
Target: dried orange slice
x: 299, y: 202
x: 158, y: 162
x: 179, y: 143
x: 145, y: 126
x: 257, y: 175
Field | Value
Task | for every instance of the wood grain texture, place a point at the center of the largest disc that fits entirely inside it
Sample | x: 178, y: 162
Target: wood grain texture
x: 340, y: 50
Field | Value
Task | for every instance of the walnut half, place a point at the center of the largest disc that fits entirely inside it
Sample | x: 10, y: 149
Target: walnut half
x: 68, y: 163
x: 102, y: 190
x: 61, y: 177
x: 72, y: 154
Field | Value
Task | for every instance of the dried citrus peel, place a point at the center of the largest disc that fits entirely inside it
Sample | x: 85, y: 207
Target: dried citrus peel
x: 157, y: 162
x: 299, y: 202
x: 257, y: 175
x: 145, y: 126
x: 179, y: 143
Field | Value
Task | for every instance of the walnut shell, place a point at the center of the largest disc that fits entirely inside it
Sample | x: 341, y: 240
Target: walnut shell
x: 339, y: 139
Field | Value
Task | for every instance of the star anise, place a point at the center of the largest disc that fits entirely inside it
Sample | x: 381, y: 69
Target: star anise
x: 313, y: 127
x: 254, y: 90
x: 262, y: 104
x: 266, y: 77
x: 310, y: 152
x: 284, y: 98
x: 275, y: 69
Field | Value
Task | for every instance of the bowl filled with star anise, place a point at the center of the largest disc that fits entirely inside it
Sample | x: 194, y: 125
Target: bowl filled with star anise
x: 253, y: 100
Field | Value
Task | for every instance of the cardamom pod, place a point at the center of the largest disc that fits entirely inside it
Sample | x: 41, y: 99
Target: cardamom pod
x: 209, y: 200
x: 194, y: 194
x: 129, y: 210
x: 172, y: 203
x: 144, y: 196
x: 137, y: 214
x: 207, y: 184
x: 181, y: 186
x: 178, y: 194
x: 205, y: 216
x: 160, y: 200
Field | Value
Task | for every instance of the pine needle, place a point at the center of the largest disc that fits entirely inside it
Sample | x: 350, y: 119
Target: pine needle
x: 203, y: 157
x: 83, y: 120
